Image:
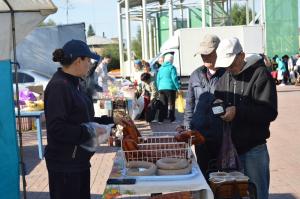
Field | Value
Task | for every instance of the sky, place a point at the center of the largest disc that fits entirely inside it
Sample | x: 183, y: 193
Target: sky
x: 101, y: 14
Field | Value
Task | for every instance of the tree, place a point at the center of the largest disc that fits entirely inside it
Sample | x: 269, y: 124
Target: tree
x: 50, y: 22
x: 113, y: 51
x: 91, y: 31
x: 238, y: 14
x: 136, y: 45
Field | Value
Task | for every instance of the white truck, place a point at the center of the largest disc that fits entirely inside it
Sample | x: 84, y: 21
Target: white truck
x: 185, y: 43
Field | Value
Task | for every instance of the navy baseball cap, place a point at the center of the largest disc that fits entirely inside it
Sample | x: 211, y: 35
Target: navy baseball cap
x: 78, y: 48
x: 138, y: 62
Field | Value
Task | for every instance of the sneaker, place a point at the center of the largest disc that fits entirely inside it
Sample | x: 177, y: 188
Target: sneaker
x: 174, y: 122
x: 154, y: 121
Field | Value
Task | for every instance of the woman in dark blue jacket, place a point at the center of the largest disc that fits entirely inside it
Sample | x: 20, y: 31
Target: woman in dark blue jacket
x: 67, y: 110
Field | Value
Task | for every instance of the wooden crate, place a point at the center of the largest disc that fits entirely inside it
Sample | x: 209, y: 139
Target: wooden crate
x: 26, y: 123
x: 230, y: 189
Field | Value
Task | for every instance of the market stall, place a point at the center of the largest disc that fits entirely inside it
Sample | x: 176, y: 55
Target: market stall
x: 153, y: 164
x: 120, y: 95
x: 17, y: 19
x: 122, y: 185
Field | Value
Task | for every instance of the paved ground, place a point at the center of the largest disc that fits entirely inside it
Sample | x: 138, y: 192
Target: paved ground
x: 283, y: 146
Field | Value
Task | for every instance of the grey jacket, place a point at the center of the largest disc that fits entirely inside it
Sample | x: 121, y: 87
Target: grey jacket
x: 198, y: 85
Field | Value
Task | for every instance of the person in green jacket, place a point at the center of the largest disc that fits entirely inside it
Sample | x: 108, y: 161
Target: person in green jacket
x: 281, y: 71
x: 168, y: 84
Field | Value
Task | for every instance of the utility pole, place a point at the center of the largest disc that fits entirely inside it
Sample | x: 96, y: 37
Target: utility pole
x: 171, y: 30
x: 67, y: 11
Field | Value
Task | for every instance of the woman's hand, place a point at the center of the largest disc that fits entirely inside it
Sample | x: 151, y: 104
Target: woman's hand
x: 100, y: 131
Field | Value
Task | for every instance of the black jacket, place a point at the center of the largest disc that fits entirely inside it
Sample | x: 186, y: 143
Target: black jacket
x: 66, y: 108
x: 253, y: 92
x: 198, y: 85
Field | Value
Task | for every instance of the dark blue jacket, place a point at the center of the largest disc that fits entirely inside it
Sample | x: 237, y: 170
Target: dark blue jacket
x: 198, y: 85
x: 66, y: 108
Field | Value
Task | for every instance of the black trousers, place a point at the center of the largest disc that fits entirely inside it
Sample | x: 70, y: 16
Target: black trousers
x: 206, y: 154
x: 154, y: 106
x: 75, y: 185
x: 167, y: 98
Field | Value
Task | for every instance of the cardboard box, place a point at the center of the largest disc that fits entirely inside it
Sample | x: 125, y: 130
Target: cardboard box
x: 37, y: 89
x: 26, y: 123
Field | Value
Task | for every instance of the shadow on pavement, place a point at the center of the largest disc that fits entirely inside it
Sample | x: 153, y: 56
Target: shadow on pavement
x: 45, y: 195
x: 282, y: 196
x: 167, y: 126
x: 107, y: 149
x: 30, y: 157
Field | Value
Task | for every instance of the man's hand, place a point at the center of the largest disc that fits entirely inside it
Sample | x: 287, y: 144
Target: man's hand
x: 229, y: 114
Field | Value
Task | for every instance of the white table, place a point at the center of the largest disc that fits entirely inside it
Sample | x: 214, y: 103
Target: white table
x: 147, y: 185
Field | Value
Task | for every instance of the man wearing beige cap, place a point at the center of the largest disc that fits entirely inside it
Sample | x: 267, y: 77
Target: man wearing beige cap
x: 250, y: 99
x: 198, y: 100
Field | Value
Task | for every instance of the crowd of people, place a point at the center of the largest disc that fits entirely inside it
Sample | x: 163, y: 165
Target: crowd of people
x: 285, y: 70
x: 229, y: 90
x: 158, y: 85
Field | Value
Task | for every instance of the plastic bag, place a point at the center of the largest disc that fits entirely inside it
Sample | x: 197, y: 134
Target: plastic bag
x: 96, y: 138
x: 137, y: 107
x: 180, y: 103
x: 228, y: 158
x: 26, y: 95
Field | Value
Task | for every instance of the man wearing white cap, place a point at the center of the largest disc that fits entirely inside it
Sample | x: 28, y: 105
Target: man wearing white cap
x: 250, y: 100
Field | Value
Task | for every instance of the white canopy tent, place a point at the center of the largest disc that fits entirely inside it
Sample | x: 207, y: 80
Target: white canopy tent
x: 17, y: 19
x: 26, y: 15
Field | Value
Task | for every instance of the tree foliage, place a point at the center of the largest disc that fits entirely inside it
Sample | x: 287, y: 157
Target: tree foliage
x: 113, y: 51
x: 50, y: 22
x: 91, y: 31
x: 238, y: 14
x: 136, y: 45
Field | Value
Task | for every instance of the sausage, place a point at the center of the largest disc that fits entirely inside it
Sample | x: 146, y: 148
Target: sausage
x: 197, y: 138
x: 132, y: 131
x: 177, y: 195
x: 129, y: 144
x: 185, y: 136
x: 130, y: 147
x: 172, y: 163
x: 133, y: 168
x: 183, y: 171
